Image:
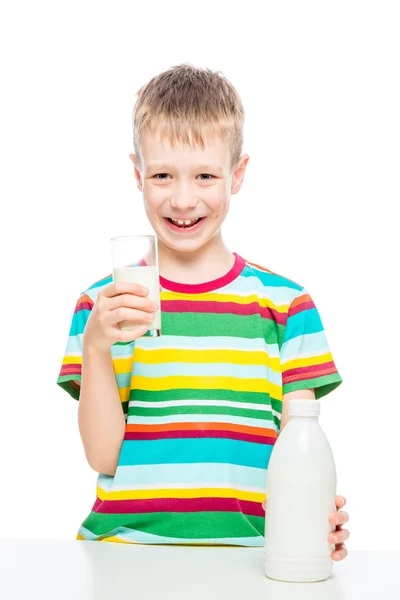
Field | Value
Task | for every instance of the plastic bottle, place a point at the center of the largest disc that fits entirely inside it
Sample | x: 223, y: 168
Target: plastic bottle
x: 301, y: 490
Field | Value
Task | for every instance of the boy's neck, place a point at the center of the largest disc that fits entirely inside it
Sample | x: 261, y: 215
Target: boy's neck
x: 208, y: 263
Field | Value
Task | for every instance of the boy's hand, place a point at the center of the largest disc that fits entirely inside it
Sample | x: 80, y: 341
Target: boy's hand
x: 338, y: 536
x: 119, y: 301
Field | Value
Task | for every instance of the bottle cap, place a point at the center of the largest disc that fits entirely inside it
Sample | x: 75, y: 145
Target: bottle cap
x: 304, y: 408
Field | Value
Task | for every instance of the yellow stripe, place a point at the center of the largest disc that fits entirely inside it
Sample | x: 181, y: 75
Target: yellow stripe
x: 307, y: 362
x: 71, y: 360
x: 181, y: 493
x: 80, y: 537
x: 240, y: 357
x: 157, y: 356
x: 120, y: 541
x: 206, y: 383
x: 113, y: 538
x: 209, y: 297
x: 123, y: 365
x: 124, y: 394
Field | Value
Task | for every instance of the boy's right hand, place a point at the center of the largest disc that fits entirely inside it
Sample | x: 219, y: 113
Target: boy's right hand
x: 119, y: 301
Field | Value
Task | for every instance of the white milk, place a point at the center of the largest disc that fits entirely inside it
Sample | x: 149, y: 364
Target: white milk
x: 147, y: 276
x: 301, y: 490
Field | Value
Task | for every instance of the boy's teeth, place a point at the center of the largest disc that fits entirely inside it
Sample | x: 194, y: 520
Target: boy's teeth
x: 185, y: 222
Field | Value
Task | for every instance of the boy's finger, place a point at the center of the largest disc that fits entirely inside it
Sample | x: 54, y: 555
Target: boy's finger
x: 123, y: 287
x: 127, y: 336
x: 340, y: 501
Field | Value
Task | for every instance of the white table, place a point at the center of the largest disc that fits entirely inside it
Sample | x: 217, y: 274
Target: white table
x: 78, y: 570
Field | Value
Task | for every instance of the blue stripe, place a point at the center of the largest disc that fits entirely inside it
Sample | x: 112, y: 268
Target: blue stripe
x: 152, y: 452
x: 314, y: 344
x: 303, y: 323
x: 185, y: 473
x: 269, y: 278
x: 74, y: 345
x: 206, y: 370
x: 123, y: 380
x: 79, y: 321
x: 199, y: 418
x: 122, y: 350
x: 208, y: 343
x: 280, y: 296
x: 101, y: 283
x: 135, y: 535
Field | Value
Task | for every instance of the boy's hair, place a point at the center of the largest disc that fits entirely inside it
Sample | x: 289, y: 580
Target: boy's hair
x: 186, y: 103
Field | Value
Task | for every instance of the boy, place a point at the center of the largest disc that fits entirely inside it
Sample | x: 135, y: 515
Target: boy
x: 180, y: 427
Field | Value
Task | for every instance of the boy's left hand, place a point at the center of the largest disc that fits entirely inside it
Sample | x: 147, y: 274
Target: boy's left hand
x: 337, y: 537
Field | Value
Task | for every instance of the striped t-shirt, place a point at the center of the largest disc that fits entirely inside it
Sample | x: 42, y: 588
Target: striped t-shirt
x: 203, y: 404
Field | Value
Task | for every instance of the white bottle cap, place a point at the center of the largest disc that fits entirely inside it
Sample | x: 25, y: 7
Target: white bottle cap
x: 304, y: 408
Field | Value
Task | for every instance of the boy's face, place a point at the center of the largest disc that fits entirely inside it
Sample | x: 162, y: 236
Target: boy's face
x: 184, y: 183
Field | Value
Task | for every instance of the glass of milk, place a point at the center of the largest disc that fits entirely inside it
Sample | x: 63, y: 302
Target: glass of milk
x: 135, y: 259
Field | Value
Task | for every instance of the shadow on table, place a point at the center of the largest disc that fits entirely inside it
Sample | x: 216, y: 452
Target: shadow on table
x: 129, y: 570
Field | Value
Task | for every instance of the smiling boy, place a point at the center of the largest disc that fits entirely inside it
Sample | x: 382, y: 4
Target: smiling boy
x: 180, y: 427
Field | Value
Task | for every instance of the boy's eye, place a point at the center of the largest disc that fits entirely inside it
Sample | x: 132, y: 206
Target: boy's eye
x: 201, y: 174
x: 160, y: 174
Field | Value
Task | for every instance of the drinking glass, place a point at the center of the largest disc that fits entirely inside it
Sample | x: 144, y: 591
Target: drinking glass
x: 135, y: 259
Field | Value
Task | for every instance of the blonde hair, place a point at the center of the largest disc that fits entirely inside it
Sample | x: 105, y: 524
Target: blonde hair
x: 187, y: 103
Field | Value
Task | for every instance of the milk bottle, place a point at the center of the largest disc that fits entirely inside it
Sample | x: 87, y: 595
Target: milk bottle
x: 301, y: 490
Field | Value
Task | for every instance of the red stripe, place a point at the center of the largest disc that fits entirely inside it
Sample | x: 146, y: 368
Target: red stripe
x: 232, y: 308
x: 71, y: 369
x: 84, y: 303
x: 83, y: 306
x: 178, y: 505
x: 294, y: 310
x: 308, y: 372
x: 201, y: 425
x: 196, y: 433
x: 208, y: 286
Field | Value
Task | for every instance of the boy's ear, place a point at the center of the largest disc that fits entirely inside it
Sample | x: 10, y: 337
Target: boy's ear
x: 136, y: 171
x: 238, y: 175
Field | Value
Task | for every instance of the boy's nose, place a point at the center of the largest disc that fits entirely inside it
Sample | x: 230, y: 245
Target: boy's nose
x: 183, y: 201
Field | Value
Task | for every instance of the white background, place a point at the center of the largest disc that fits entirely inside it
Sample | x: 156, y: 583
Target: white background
x: 320, y: 86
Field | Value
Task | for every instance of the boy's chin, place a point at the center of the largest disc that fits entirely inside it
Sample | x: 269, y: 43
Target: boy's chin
x: 183, y: 244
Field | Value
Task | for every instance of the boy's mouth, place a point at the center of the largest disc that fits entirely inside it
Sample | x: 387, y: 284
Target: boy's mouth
x: 185, y: 224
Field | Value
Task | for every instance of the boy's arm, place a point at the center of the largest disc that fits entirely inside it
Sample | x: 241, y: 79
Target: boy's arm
x: 301, y: 394
x: 100, y: 415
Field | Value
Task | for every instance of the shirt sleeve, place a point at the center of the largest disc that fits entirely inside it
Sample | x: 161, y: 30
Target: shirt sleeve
x: 306, y: 360
x: 71, y: 368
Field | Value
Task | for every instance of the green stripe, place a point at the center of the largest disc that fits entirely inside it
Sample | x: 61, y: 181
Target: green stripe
x: 65, y: 383
x: 140, y: 411
x: 277, y: 406
x: 209, y: 324
x: 125, y: 407
x: 199, y: 394
x: 322, y: 385
x: 188, y: 525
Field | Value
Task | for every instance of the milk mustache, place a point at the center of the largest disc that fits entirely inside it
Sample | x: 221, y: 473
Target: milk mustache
x: 147, y: 276
x: 301, y: 490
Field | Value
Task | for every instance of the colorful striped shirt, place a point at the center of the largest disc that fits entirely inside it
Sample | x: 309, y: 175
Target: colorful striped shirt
x: 203, y: 405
